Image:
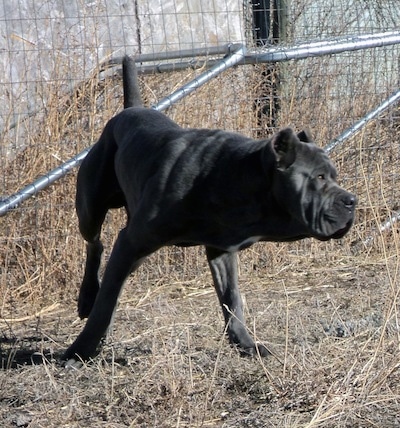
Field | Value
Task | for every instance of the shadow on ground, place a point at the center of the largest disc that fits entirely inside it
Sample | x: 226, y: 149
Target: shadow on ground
x: 15, y: 353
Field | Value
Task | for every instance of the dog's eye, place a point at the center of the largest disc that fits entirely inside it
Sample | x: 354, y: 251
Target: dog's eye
x: 321, y: 177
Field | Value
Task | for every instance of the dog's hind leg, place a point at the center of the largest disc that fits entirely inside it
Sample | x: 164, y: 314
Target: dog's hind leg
x: 90, y: 283
x: 97, y: 191
x: 90, y: 224
x: 126, y: 257
x: 223, y: 267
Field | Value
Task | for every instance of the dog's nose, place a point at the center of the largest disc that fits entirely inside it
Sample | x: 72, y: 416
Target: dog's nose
x: 349, y: 201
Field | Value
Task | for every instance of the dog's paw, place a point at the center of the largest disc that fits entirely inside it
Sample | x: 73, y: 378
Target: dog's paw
x: 79, y: 352
x: 72, y: 359
x: 73, y: 364
x: 261, y: 350
x: 257, y: 350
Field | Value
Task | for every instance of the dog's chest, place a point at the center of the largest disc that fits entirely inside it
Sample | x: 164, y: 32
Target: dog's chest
x: 244, y: 244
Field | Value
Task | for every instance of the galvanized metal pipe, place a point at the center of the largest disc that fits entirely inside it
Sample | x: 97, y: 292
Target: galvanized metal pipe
x: 278, y: 53
x: 362, y: 122
x: 270, y: 53
x: 43, y: 182
x: 326, y: 47
x: 184, y: 53
x: 40, y: 184
x: 350, y: 132
x: 382, y: 228
x: 234, y: 58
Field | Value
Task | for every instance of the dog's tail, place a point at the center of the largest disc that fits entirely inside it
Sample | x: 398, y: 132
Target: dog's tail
x: 132, y: 97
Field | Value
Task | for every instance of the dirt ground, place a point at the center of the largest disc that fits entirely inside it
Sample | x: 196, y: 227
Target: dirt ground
x: 330, y: 323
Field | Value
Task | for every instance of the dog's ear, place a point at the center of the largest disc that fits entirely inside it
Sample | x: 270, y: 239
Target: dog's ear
x: 305, y: 136
x: 284, y: 147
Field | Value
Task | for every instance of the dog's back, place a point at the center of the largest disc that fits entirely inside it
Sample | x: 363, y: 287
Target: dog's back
x: 132, y: 97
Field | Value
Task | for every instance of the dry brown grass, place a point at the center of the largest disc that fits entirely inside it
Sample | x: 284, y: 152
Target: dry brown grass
x: 327, y: 311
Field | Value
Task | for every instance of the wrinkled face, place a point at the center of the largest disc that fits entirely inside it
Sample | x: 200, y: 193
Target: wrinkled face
x: 305, y: 183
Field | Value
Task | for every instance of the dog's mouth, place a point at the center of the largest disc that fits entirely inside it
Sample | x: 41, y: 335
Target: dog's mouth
x: 338, y: 234
x: 341, y: 232
x: 337, y: 218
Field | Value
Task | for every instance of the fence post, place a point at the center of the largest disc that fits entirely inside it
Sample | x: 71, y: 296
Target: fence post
x: 270, y: 27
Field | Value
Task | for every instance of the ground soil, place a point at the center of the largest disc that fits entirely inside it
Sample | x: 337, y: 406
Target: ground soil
x: 330, y: 323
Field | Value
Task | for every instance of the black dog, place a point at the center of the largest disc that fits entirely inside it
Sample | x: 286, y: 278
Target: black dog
x: 196, y: 187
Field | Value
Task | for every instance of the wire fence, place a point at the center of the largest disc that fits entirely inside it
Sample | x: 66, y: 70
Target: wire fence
x: 325, y: 65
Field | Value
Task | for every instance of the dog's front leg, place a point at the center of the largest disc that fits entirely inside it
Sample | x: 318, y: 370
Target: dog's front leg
x: 223, y: 267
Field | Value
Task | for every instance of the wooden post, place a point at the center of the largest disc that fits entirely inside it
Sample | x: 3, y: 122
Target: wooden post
x: 269, y: 27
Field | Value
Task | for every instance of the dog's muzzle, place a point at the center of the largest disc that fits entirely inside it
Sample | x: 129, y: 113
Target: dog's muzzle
x: 336, y: 216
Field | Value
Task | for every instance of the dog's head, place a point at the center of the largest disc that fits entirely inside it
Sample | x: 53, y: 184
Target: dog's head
x: 305, y: 185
